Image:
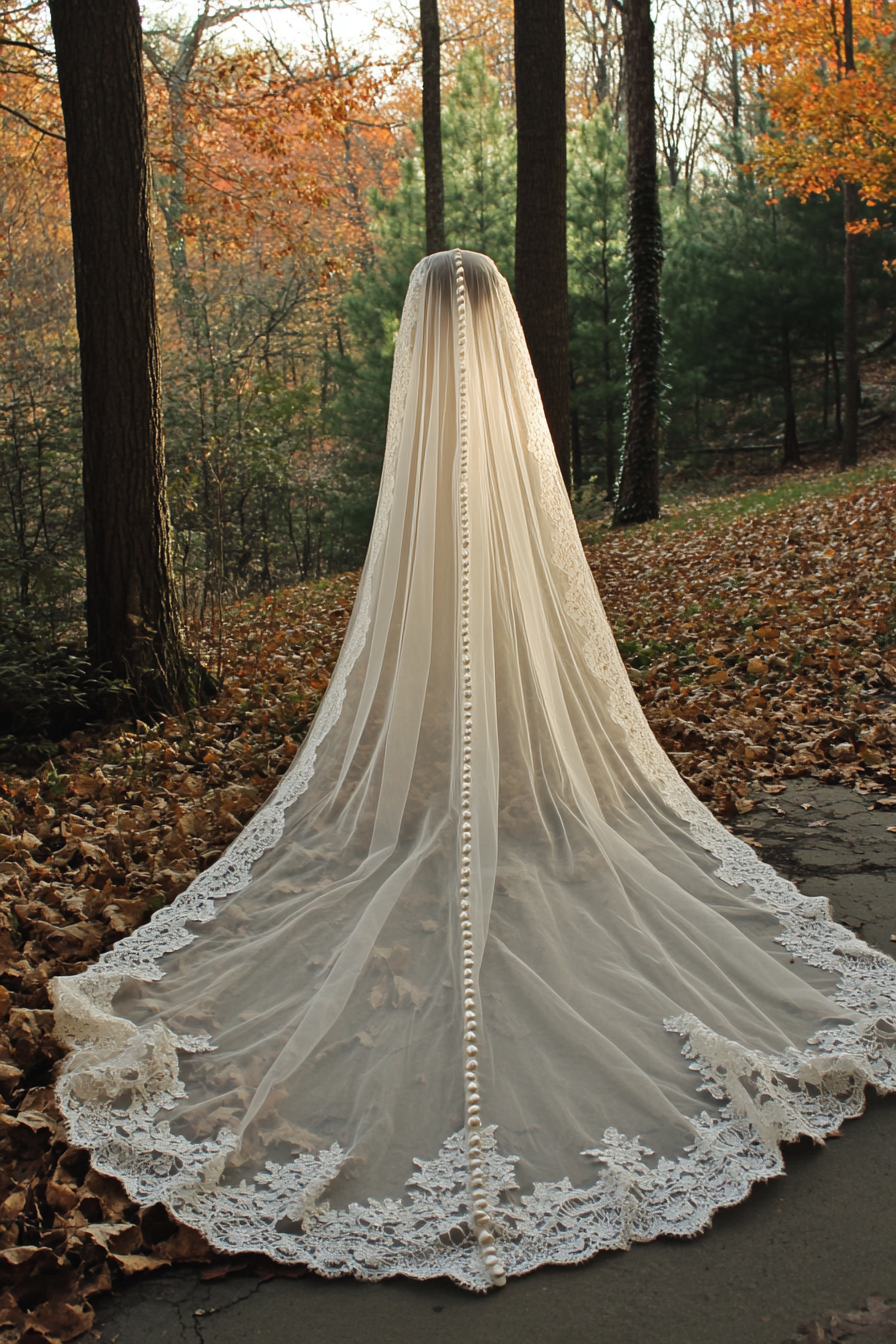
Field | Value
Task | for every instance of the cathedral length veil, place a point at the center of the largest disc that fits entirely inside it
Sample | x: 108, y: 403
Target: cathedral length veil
x: 425, y: 1016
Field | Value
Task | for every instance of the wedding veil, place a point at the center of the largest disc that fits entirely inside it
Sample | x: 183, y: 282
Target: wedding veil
x: 425, y: 1014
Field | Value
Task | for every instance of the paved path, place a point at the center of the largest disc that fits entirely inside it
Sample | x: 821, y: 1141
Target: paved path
x: 820, y: 1239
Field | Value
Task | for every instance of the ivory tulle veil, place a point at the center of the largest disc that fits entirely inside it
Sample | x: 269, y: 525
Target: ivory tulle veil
x: 426, y: 1015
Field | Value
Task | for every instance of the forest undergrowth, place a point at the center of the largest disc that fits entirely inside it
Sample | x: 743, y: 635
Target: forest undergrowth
x: 760, y: 632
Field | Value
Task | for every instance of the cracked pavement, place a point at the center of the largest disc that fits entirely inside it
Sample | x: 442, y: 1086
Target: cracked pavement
x: 833, y: 842
x: 820, y: 1239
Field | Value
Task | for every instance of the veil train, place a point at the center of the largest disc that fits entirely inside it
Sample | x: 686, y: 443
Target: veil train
x: 425, y: 1015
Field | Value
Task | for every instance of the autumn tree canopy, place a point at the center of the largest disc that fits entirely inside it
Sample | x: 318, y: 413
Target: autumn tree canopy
x: 830, y: 94
x: 826, y: 73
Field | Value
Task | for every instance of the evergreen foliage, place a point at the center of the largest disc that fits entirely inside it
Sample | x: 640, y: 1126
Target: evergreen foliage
x: 752, y: 294
x: 751, y: 297
x: 597, y: 293
x: 478, y: 151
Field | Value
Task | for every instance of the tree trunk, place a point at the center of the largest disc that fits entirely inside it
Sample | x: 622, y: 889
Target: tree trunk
x: 849, y: 444
x: 539, y: 35
x: 132, y: 620
x: 638, y: 495
x: 575, y: 431
x: 826, y: 388
x: 430, y: 40
x: 838, y: 400
x: 735, y: 73
x: 609, y: 406
x: 791, y: 437
x: 170, y: 184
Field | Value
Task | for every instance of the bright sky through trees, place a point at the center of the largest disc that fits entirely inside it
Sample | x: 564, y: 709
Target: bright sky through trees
x: 352, y: 23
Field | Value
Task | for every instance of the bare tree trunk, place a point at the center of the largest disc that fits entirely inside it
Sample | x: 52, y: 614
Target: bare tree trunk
x: 171, y: 186
x: 541, y: 275
x: 132, y: 619
x: 791, y: 437
x: 849, y: 444
x: 735, y: 74
x: 609, y: 407
x: 638, y: 495
x: 838, y: 400
x: 430, y: 40
x: 826, y: 389
x: 575, y: 431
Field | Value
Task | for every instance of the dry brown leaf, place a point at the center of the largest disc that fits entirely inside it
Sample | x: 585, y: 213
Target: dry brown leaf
x: 805, y: 686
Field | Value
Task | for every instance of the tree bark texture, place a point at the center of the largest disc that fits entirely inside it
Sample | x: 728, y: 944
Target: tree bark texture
x: 430, y: 41
x: 849, y: 444
x: 638, y: 492
x: 541, y: 285
x: 132, y: 622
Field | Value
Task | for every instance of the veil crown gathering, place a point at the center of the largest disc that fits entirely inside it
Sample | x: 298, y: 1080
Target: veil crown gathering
x: 425, y: 1015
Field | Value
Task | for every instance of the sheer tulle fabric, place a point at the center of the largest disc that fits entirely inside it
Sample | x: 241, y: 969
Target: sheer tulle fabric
x: 283, y: 1056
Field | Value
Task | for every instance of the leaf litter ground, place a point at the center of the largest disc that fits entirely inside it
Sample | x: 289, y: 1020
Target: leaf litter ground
x: 761, y: 637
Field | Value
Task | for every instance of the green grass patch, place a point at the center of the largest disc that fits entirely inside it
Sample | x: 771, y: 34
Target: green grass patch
x: 679, y: 516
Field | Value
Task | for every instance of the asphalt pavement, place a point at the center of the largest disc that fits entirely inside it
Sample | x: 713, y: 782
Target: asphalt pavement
x: 820, y: 1239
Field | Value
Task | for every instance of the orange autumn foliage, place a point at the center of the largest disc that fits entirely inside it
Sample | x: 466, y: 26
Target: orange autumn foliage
x: 830, y: 124
x: 37, y: 335
x: 254, y: 143
x: 263, y: 155
x: 32, y: 152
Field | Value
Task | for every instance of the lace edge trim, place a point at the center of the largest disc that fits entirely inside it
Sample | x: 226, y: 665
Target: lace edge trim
x: 432, y: 1231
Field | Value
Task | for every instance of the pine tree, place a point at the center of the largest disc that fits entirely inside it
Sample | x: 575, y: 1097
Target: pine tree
x: 751, y: 293
x: 479, y: 166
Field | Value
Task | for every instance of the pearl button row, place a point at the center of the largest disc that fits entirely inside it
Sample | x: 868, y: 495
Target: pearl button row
x: 481, y: 1216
